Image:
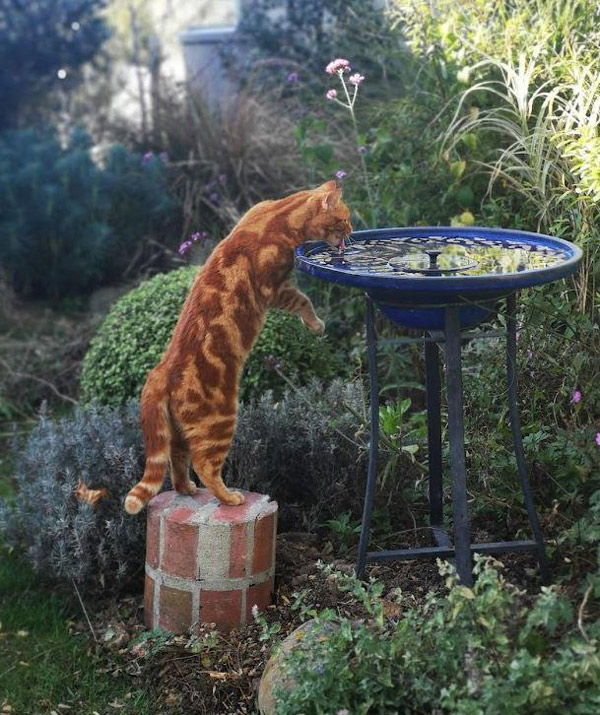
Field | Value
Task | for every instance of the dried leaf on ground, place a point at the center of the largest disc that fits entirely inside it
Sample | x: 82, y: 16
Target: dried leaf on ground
x: 90, y: 496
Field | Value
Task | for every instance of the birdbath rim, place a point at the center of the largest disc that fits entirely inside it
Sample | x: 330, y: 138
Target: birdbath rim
x: 568, y: 258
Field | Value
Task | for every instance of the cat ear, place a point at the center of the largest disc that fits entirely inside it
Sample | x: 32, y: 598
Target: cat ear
x: 328, y: 196
x: 331, y: 199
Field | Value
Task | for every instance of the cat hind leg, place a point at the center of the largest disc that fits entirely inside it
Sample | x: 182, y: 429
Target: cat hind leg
x: 210, y: 476
x: 208, y: 458
x: 180, y: 469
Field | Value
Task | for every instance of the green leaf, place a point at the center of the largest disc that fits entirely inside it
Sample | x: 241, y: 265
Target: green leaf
x: 457, y: 168
x: 410, y: 448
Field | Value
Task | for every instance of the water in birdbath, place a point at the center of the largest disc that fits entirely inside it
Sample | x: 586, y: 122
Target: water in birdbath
x: 435, y: 256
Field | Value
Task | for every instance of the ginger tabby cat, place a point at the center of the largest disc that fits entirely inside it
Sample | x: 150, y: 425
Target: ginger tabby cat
x: 189, y: 402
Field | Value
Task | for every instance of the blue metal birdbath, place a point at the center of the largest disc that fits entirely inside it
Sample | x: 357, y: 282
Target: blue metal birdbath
x: 412, y: 274
x: 442, y: 281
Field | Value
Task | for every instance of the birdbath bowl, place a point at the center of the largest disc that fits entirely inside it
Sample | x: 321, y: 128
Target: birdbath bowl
x: 412, y: 274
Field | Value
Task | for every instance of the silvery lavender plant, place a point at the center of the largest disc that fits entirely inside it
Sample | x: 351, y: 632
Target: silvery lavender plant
x: 98, y: 547
x: 307, y: 450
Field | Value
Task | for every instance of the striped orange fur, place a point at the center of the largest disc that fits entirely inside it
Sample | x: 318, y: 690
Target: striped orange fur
x: 189, y: 402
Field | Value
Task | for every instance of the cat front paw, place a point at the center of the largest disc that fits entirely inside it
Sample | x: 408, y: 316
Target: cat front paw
x: 233, y: 498
x: 316, y: 326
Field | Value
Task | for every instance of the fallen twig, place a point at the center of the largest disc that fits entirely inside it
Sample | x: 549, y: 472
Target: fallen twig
x: 581, y: 612
x: 87, y: 618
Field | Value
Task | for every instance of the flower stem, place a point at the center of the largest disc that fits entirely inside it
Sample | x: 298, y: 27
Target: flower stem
x: 350, y: 107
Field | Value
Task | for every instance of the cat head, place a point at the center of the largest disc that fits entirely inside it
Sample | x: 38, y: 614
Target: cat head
x: 328, y: 217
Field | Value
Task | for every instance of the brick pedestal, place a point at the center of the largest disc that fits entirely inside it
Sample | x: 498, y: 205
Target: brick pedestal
x: 206, y: 562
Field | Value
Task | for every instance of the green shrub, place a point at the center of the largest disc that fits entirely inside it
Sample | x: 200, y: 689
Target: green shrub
x: 559, y: 407
x: 132, y: 340
x: 98, y: 547
x: 485, y: 650
x: 68, y: 224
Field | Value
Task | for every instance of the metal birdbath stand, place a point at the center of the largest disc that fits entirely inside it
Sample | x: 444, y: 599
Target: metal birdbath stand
x: 445, y: 281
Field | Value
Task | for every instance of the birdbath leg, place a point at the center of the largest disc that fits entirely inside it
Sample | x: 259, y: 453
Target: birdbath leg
x: 454, y: 390
x: 434, y: 433
x: 373, y: 442
x: 515, y: 423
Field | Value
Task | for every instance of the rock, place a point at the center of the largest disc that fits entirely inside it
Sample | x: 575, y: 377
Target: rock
x: 273, y: 676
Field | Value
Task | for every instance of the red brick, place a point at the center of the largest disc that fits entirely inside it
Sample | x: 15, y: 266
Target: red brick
x: 221, y: 607
x: 264, y: 529
x: 152, y: 537
x: 181, y: 515
x: 239, y: 549
x: 149, y: 602
x: 175, y: 610
x: 262, y: 595
x: 181, y: 544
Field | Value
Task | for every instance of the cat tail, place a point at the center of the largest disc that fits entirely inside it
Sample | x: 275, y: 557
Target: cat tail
x: 156, y: 427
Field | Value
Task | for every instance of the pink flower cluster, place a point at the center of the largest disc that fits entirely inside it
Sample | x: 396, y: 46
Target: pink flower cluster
x: 338, y: 65
x: 575, y: 400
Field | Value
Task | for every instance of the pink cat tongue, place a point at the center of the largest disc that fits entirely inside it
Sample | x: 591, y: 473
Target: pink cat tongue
x: 342, y: 245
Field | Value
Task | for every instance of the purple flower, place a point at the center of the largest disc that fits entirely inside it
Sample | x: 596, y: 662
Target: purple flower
x: 530, y: 354
x: 147, y: 158
x: 222, y: 179
x: 362, y: 150
x: 598, y: 438
x: 331, y: 94
x: 164, y: 157
x: 215, y: 198
x: 293, y: 78
x: 273, y: 362
x: 356, y: 79
x: 184, y: 248
x: 576, y: 397
x: 341, y: 174
x: 338, y: 65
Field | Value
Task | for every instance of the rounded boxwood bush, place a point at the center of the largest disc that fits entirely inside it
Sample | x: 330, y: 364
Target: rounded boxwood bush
x: 134, y: 335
